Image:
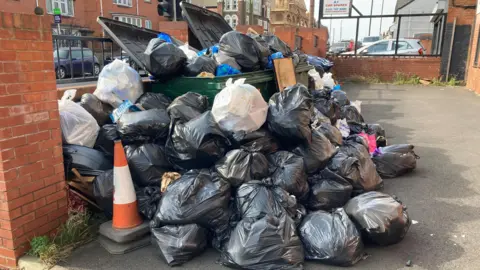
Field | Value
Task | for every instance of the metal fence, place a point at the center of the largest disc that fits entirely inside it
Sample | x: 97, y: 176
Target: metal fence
x: 399, y: 39
x: 81, y: 58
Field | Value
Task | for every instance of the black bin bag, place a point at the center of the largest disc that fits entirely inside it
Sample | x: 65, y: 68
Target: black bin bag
x: 259, y: 198
x: 150, y: 101
x: 163, y: 59
x: 340, y: 98
x: 197, y: 144
x: 395, y: 160
x: 332, y: 133
x: 317, y: 153
x: 277, y: 45
x: 200, y: 64
x: 260, y: 140
x: 328, y: 190
x: 379, y: 132
x: 289, y: 115
x: 239, y: 166
x: 197, y: 197
x: 148, y: 199
x: 106, y: 140
x: 178, y: 244
x: 244, y: 49
x: 187, y: 107
x: 267, y: 243
x: 143, y: 126
x: 147, y: 163
x: 288, y: 171
x: 103, y: 192
x: 381, y: 218
x: 86, y: 160
x: 328, y: 108
x: 351, y: 113
x: 99, y: 110
x: 353, y: 163
x: 331, y: 238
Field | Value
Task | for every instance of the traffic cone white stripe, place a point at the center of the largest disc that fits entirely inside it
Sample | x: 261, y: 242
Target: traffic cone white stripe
x: 124, y: 192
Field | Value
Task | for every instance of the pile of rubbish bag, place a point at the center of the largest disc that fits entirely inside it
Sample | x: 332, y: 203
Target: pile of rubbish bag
x: 268, y: 185
x: 235, y: 53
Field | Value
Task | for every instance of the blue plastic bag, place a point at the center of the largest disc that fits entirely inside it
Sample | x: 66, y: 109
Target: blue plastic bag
x: 165, y: 37
x: 208, y: 51
x: 276, y: 55
x: 225, y: 70
x: 318, y: 61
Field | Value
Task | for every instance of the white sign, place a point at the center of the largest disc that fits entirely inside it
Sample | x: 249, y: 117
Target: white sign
x: 337, y: 7
x: 478, y: 6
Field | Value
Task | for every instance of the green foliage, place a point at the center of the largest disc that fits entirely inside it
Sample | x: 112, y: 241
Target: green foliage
x: 76, y: 231
x: 401, y: 79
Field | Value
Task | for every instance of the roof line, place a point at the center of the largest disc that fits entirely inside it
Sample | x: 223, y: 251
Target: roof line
x: 406, y: 4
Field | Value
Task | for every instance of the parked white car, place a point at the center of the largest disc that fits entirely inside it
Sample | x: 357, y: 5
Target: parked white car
x: 387, y: 47
x: 366, y: 41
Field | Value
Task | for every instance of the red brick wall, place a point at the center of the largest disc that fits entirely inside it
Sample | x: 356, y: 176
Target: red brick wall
x: 244, y: 28
x: 33, y: 199
x: 177, y: 29
x: 464, y: 15
x: 386, y: 67
x: 473, y: 73
x: 287, y: 34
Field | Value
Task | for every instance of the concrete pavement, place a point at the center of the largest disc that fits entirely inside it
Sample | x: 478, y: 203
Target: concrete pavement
x: 442, y: 194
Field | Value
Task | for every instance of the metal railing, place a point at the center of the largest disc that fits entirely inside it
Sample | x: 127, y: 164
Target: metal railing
x: 436, y: 41
x: 81, y: 58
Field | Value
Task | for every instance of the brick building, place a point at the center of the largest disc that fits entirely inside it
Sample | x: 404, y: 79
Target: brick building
x: 79, y: 16
x: 245, y: 12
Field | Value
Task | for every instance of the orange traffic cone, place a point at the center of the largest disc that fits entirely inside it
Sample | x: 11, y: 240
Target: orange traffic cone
x: 125, y: 212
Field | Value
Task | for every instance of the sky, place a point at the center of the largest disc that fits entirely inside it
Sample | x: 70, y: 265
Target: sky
x: 349, y: 25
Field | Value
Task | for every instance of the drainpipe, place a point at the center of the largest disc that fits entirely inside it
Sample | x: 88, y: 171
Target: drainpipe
x: 137, y: 8
x: 101, y: 15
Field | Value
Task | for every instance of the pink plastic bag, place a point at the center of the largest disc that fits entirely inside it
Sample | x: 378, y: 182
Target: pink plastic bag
x: 372, y: 141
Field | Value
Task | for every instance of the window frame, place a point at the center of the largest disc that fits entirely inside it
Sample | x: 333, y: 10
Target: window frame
x: 234, y: 5
x: 234, y: 21
x: 137, y: 21
x: 227, y: 5
x: 148, y: 25
x: 228, y: 19
x: 68, y: 3
x: 128, y: 3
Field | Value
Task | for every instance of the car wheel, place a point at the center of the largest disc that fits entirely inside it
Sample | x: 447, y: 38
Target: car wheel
x: 61, y: 73
x: 96, y: 69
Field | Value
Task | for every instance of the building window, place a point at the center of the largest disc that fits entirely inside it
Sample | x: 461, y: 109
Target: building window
x: 247, y: 20
x: 247, y: 6
x: 234, y: 4
x: 65, y: 6
x: 148, y: 24
x: 260, y: 22
x: 257, y: 7
x: 298, y: 42
x: 228, y: 19
x: 315, y: 41
x: 127, y: 3
x: 234, y: 21
x: 130, y: 20
x: 268, y: 12
x: 227, y: 4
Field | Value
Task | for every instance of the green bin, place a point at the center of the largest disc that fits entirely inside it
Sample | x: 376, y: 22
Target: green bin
x: 263, y: 80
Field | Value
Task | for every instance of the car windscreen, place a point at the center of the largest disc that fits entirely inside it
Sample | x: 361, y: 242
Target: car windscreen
x: 63, y: 54
x: 371, y: 39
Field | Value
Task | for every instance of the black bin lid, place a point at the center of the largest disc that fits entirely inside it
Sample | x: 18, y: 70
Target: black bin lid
x: 132, y: 39
x: 205, y: 27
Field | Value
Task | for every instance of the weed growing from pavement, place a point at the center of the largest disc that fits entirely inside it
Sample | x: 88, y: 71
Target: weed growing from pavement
x: 403, y: 79
x: 76, y: 231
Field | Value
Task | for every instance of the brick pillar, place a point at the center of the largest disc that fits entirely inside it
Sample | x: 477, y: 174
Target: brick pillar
x: 33, y: 199
x: 220, y: 7
x: 241, y: 12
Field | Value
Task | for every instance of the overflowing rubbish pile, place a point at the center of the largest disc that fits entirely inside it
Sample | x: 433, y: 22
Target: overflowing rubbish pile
x: 267, y: 184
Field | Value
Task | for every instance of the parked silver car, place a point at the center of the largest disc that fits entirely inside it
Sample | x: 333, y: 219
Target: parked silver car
x: 387, y: 47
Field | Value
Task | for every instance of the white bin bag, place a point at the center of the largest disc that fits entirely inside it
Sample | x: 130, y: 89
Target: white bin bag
x: 78, y: 126
x: 239, y: 107
x: 118, y: 82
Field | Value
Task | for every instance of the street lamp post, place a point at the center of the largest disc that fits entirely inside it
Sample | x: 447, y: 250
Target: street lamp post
x: 381, y: 18
x: 370, y: 25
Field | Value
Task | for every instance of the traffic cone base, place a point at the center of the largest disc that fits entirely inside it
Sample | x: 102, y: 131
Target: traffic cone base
x: 129, y: 210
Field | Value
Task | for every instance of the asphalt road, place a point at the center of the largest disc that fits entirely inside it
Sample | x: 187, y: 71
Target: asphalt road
x: 442, y: 194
